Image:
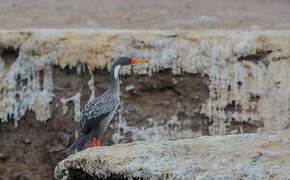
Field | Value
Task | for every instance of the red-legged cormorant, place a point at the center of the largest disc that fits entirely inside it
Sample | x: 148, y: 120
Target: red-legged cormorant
x: 98, y: 113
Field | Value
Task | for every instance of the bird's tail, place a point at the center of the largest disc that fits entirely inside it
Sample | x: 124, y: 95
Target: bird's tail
x: 78, y: 144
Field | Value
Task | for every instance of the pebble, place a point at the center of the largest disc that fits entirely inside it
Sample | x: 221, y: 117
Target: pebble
x: 26, y: 141
x: 130, y: 88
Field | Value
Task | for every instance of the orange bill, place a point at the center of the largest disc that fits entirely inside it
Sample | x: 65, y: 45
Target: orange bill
x: 133, y: 61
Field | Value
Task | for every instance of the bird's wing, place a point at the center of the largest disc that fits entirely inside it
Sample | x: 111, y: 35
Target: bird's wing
x: 104, y: 124
x: 95, y: 111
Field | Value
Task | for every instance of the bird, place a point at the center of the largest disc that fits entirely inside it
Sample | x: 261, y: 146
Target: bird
x: 97, y: 113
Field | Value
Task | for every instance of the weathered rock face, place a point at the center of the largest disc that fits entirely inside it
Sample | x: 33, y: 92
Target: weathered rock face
x: 208, y: 157
x: 198, y: 83
x: 224, y: 81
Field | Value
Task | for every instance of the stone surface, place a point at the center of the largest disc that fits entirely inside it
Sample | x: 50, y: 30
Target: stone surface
x: 252, y: 156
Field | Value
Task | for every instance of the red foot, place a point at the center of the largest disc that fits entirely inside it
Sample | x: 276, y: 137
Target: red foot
x: 98, y: 142
x: 94, y: 142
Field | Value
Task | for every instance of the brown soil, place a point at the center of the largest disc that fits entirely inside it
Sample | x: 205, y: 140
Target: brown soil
x: 32, y: 150
x: 164, y: 95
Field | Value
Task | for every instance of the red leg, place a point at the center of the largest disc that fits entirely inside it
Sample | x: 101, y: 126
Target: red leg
x: 98, y: 142
x: 94, y: 142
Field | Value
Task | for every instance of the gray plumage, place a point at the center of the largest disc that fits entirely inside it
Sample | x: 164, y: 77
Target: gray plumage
x: 98, y: 113
x: 95, y: 114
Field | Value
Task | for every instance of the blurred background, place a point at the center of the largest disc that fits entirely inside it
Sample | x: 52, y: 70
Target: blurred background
x: 153, y: 108
x: 150, y: 14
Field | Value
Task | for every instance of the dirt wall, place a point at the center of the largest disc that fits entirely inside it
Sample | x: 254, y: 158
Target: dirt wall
x: 246, y: 73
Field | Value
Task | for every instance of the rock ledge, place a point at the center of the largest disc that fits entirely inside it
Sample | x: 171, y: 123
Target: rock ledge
x: 247, y: 156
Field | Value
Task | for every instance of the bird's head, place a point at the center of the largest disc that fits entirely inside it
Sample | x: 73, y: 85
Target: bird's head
x: 123, y: 61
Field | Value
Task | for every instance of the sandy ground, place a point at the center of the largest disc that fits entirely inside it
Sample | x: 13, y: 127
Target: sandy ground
x: 149, y: 14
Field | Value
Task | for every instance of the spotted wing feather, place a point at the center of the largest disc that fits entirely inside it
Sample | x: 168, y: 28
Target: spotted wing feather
x: 96, y: 111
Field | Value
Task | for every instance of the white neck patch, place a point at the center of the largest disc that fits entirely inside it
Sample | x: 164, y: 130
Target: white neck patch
x: 116, y: 71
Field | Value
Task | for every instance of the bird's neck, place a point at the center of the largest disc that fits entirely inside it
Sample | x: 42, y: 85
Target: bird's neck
x: 115, y: 78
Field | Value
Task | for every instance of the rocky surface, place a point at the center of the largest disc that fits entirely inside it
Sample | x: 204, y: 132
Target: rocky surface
x: 253, y: 156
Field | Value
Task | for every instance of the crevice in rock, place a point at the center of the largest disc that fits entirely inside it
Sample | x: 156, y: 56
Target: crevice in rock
x: 20, y: 82
x: 9, y: 55
x: 244, y: 127
x: 41, y: 79
x: 259, y: 56
x: 233, y: 107
x: 254, y: 97
x: 81, y: 175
